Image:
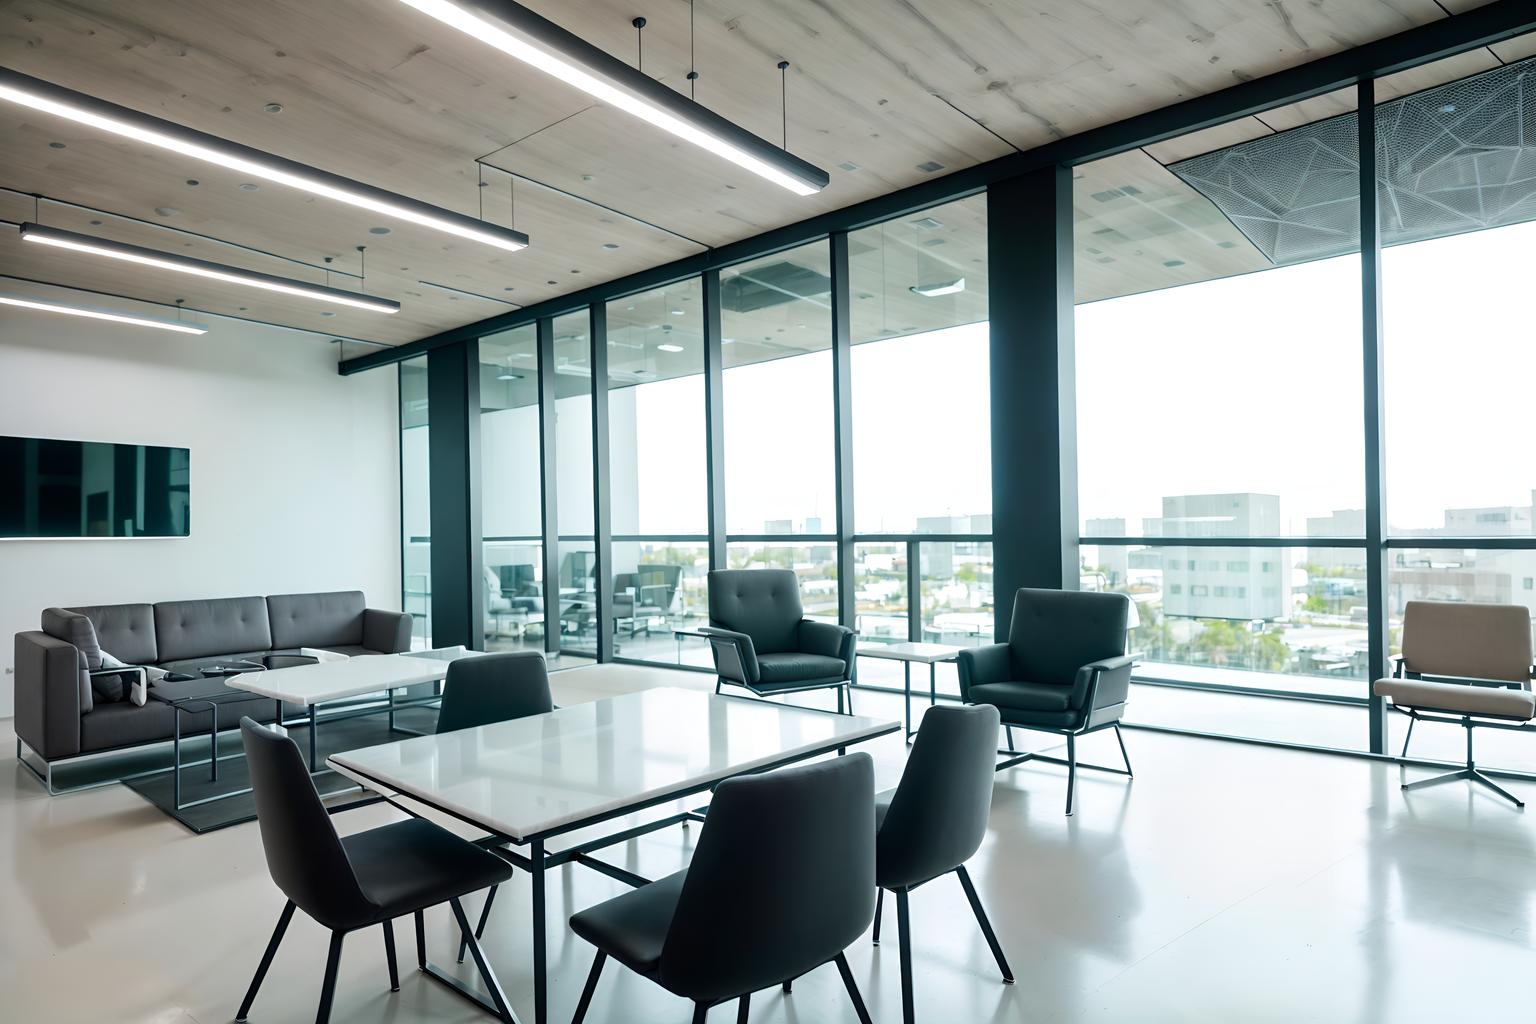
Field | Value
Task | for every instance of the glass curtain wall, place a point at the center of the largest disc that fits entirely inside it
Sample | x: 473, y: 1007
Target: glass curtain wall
x: 511, y: 491
x: 658, y: 474
x: 922, y: 458
x: 776, y: 340
x: 576, y: 593
x: 1220, y: 411
x: 1458, y: 219
x: 415, y: 502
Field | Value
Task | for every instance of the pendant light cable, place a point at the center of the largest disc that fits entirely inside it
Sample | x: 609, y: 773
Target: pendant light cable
x: 693, y: 67
x: 639, y: 24
x: 784, y: 101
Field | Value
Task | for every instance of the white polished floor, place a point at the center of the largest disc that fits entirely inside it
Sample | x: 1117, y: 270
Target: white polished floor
x: 1228, y: 883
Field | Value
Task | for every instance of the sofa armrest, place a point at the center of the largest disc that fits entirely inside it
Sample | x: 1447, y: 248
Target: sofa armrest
x: 386, y: 632
x: 735, y: 657
x: 1103, y: 683
x: 989, y: 663
x: 50, y: 681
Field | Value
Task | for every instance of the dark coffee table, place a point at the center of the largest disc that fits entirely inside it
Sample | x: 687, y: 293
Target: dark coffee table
x: 206, y: 693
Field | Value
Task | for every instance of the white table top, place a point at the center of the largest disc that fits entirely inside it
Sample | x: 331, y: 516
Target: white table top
x: 924, y: 653
x: 334, y: 680
x: 536, y: 776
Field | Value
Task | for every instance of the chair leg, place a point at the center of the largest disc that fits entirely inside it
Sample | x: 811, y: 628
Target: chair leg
x: 849, y: 688
x: 879, y: 909
x: 1071, y: 770
x: 1408, y: 737
x: 986, y: 926
x: 486, y: 974
x: 904, y: 933
x: 266, y: 961
x: 1123, y: 755
x: 1008, y: 731
x: 485, y: 915
x: 700, y: 1013
x: 743, y: 1007
x: 853, y: 990
x: 389, y: 954
x: 839, y: 700
x: 591, y: 987
x: 421, y: 941
x: 718, y: 681
x: 788, y: 986
x: 328, y: 987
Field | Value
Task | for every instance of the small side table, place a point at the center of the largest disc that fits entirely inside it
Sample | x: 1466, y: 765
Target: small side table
x: 907, y: 653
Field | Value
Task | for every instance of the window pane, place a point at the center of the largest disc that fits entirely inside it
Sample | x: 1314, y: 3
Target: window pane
x: 814, y: 564
x: 573, y: 480
x: 659, y: 587
x: 511, y: 512
x: 1271, y: 618
x: 957, y: 593
x: 919, y: 297
x: 415, y: 502
x: 880, y: 592
x: 1218, y: 335
x: 1459, y: 219
x: 777, y: 341
x: 656, y: 435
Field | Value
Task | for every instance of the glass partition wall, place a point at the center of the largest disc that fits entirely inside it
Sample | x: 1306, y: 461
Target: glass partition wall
x: 1268, y: 470
x: 415, y: 502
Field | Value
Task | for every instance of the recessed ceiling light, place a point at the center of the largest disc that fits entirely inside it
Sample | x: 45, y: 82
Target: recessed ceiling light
x: 939, y: 288
x: 508, y: 288
x: 56, y: 145
x: 380, y: 231
x: 508, y: 375
x: 249, y: 186
x: 273, y: 108
x: 538, y: 42
x: 677, y: 312
x: 202, y: 268
x: 609, y: 245
x: 669, y: 348
x: 193, y: 182
x: 102, y: 314
x: 37, y: 94
x: 167, y: 211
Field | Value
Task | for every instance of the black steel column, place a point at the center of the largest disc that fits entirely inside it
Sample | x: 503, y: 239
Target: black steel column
x: 1034, y: 419
x: 915, y: 590
x: 714, y: 418
x: 842, y: 418
x: 453, y: 443
x: 602, y: 490
x: 1375, y: 396
x: 548, y: 485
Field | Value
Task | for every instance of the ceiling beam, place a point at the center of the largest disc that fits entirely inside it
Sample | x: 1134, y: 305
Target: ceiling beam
x: 1484, y: 26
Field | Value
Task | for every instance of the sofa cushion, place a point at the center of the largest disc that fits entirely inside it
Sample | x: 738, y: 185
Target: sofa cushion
x: 205, y: 629
x: 795, y: 668
x: 1022, y: 696
x: 316, y: 620
x: 127, y: 630
x: 1465, y: 698
x: 74, y: 628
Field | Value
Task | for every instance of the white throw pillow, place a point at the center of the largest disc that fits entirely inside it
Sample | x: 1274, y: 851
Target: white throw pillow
x: 138, y: 692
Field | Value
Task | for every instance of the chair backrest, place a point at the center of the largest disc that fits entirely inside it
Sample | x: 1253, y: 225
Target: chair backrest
x: 938, y: 815
x: 304, y: 855
x: 494, y: 688
x: 762, y: 603
x: 783, y: 879
x: 1472, y: 641
x: 1056, y: 632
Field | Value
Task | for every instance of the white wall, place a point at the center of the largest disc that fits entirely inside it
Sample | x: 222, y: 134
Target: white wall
x: 295, y: 469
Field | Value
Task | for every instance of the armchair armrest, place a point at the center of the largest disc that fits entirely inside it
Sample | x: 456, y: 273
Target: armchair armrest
x: 1103, y: 683
x: 989, y: 663
x: 386, y: 632
x: 828, y: 639
x: 735, y: 657
x: 52, y: 692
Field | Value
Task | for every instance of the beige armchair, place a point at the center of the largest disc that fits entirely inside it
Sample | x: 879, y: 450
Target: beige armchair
x: 1464, y: 664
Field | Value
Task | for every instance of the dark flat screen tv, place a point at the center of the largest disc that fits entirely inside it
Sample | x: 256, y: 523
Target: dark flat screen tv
x: 54, y: 488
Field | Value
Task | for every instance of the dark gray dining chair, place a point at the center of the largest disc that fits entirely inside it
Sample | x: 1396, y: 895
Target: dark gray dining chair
x: 934, y: 821
x: 782, y: 881
x: 1064, y: 670
x: 492, y: 688
x: 362, y: 880
x: 762, y: 641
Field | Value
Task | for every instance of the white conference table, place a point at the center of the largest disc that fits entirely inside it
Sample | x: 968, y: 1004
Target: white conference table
x: 529, y: 781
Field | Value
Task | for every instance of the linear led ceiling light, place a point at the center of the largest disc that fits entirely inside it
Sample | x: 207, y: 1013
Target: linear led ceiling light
x: 518, y: 32
x: 940, y: 288
x: 102, y: 314
x: 202, y: 268
x: 130, y: 124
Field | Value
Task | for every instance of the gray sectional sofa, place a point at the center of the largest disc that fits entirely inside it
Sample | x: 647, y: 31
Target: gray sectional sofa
x: 66, y: 706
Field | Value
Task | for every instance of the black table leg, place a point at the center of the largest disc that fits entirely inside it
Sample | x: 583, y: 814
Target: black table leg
x: 176, y: 758
x: 540, y: 982
x: 906, y: 686
x: 213, y: 742
x: 933, y: 683
x: 313, y: 760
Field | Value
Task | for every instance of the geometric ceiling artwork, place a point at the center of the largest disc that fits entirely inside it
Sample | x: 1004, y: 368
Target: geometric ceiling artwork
x: 1457, y: 157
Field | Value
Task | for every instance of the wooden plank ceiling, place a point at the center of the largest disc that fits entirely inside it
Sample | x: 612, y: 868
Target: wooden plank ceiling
x: 881, y: 95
